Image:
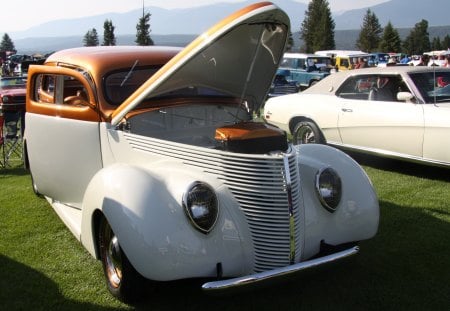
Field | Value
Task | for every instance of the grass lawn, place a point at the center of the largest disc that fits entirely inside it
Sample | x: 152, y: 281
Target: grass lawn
x: 405, y: 267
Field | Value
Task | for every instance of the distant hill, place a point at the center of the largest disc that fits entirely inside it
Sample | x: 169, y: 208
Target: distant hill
x: 345, y: 40
x: 401, y: 13
x: 175, y: 27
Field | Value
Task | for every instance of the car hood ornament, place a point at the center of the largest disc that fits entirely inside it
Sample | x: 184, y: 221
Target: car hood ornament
x: 238, y: 56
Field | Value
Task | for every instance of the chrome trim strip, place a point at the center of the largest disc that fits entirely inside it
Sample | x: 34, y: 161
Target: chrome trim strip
x: 278, y: 272
x: 287, y: 174
x: 389, y: 154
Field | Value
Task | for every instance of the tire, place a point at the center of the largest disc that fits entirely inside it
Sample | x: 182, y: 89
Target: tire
x: 122, y: 280
x: 306, y: 132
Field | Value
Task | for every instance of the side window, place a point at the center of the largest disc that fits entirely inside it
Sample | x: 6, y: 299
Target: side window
x: 373, y: 87
x: 45, y: 89
x: 301, y: 63
x: 60, y: 89
x: 357, y: 87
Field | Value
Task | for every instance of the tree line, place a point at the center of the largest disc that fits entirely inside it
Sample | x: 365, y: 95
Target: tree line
x: 142, y: 33
x: 317, y: 33
x: 91, y: 37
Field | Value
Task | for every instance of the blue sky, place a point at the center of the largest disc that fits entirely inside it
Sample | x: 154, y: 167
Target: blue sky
x: 23, y: 14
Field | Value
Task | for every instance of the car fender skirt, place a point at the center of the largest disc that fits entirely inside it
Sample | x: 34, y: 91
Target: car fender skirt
x: 262, y: 277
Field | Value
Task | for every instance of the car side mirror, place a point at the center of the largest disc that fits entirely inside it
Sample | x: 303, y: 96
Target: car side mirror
x: 405, y: 97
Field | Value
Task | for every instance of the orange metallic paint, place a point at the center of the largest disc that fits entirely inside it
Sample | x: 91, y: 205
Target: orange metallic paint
x: 84, y: 113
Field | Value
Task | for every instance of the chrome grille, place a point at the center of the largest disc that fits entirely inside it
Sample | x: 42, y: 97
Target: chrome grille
x: 259, y: 184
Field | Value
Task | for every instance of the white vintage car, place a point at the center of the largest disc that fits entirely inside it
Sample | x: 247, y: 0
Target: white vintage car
x: 153, y: 159
x: 400, y: 112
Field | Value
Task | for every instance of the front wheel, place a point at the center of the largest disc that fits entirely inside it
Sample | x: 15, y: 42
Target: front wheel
x: 306, y: 132
x: 123, y: 281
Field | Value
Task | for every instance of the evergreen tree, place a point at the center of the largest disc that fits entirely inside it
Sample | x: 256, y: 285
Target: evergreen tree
x: 436, y: 44
x: 317, y: 30
x: 7, y: 44
x: 108, y: 33
x: 390, y: 40
x: 418, y: 40
x: 91, y: 38
x: 143, y: 30
x: 369, y: 36
x: 446, y: 42
x: 290, y: 42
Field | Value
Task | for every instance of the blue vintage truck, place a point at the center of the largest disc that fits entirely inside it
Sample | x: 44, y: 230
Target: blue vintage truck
x: 305, y: 69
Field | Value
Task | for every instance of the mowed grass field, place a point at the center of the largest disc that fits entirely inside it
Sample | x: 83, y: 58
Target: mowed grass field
x: 405, y: 267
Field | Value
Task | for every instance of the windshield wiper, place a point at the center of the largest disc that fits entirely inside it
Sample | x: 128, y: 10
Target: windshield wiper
x: 129, y: 73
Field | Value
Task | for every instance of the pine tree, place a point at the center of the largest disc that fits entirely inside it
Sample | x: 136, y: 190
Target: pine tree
x: 446, y: 42
x: 369, y: 36
x: 317, y: 30
x: 290, y: 42
x: 436, y: 44
x: 143, y: 30
x: 418, y: 40
x: 108, y: 33
x: 91, y: 38
x: 7, y: 44
x: 390, y: 40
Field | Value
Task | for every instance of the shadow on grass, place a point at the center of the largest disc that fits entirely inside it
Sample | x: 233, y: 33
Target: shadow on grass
x: 403, y: 167
x: 404, y: 267
x: 23, y: 288
x: 13, y: 171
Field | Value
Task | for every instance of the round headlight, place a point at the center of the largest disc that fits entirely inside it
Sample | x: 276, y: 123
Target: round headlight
x: 329, y: 188
x: 5, y: 99
x: 201, y: 206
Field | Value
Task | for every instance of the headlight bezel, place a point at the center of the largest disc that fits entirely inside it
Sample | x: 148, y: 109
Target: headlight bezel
x: 329, y: 188
x: 200, y: 192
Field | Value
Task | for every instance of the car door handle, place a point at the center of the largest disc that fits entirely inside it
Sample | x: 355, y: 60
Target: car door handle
x: 347, y: 110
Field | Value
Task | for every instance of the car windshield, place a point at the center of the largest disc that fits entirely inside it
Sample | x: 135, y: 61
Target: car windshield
x: 12, y: 82
x: 120, y: 84
x: 433, y: 86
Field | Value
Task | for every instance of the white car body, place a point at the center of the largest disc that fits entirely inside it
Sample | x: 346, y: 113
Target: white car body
x: 413, y: 125
x: 133, y: 165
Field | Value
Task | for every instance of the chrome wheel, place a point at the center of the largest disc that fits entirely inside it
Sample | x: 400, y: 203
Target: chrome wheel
x: 123, y: 281
x: 306, y: 133
x: 113, y: 257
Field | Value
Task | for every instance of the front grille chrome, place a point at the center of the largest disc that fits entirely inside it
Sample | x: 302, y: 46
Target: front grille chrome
x: 263, y: 186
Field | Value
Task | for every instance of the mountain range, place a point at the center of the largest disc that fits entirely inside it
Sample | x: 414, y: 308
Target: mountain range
x: 167, y: 25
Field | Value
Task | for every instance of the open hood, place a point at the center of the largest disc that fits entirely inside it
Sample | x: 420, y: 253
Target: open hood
x: 238, y: 56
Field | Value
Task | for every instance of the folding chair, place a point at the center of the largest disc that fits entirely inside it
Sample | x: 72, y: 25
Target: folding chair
x: 11, y: 138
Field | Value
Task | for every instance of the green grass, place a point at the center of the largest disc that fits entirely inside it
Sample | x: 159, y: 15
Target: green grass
x: 405, y: 267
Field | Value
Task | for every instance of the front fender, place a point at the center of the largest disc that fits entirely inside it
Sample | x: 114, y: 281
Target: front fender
x: 357, y: 216
x: 143, y: 207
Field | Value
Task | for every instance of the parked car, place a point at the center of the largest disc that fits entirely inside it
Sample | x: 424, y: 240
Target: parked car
x: 344, y: 59
x: 305, y: 69
x: 12, y: 94
x: 378, y: 59
x: 12, y: 110
x: 400, y: 112
x: 154, y: 160
x: 282, y: 85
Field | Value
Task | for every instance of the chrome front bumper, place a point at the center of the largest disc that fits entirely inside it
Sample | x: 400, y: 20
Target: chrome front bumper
x: 279, y: 272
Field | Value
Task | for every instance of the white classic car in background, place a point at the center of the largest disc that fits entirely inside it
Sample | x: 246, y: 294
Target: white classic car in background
x: 152, y: 158
x: 400, y: 112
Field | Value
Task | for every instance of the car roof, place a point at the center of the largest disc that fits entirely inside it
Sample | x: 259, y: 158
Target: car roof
x: 304, y: 55
x: 101, y: 59
x: 333, y: 81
